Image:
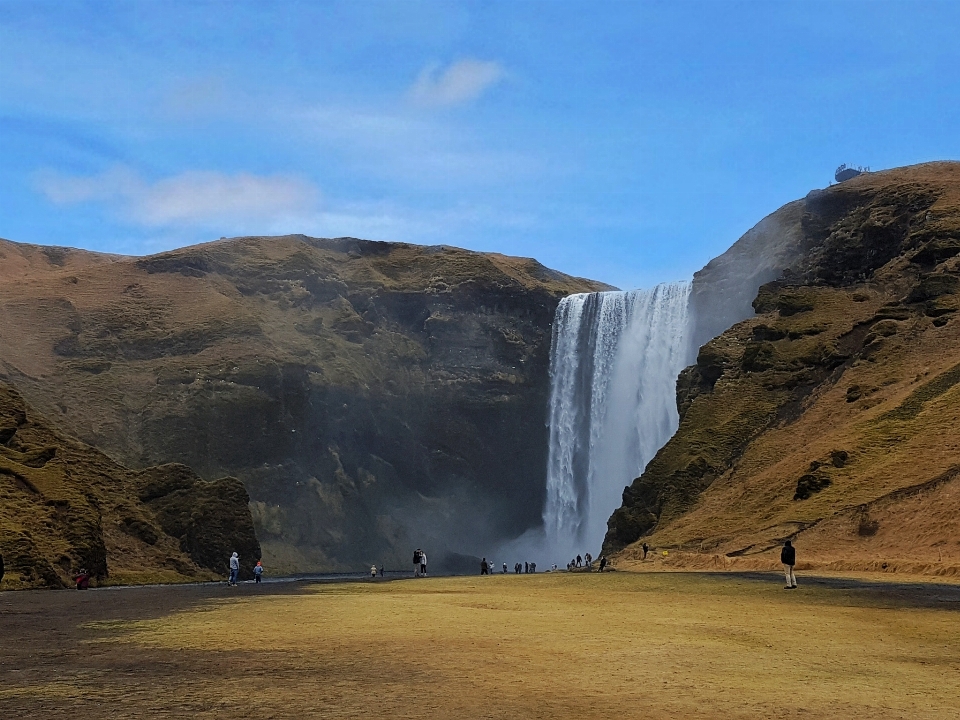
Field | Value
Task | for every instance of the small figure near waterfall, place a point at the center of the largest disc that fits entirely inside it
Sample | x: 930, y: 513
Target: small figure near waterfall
x: 588, y: 560
x: 416, y: 562
x: 258, y: 572
x: 603, y: 563
x: 788, y: 556
x: 504, y: 568
x: 234, y: 569
x: 484, y: 567
x: 381, y: 571
x: 579, y: 561
x: 646, y: 548
x: 373, y: 572
x: 423, y: 563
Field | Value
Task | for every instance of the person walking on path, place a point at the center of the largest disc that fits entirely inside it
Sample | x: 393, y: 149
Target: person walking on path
x: 416, y: 562
x: 603, y: 563
x: 234, y: 569
x: 484, y: 567
x: 257, y: 572
x: 646, y: 548
x: 423, y: 563
x: 788, y: 556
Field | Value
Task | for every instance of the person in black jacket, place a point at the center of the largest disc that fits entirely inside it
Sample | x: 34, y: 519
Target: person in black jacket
x: 788, y: 556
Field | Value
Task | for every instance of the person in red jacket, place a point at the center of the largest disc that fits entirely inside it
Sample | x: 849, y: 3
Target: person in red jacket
x: 788, y: 556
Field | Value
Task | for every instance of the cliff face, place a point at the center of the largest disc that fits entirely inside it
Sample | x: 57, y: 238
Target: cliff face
x: 831, y: 416
x: 372, y: 397
x: 65, y: 506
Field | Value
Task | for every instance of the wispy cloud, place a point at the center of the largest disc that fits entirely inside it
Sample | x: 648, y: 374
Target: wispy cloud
x: 457, y: 83
x: 204, y: 199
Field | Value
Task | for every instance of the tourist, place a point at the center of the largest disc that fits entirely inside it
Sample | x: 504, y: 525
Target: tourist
x: 788, y: 556
x: 484, y: 567
x: 373, y: 572
x: 526, y: 567
x: 603, y: 563
x: 381, y: 571
x: 517, y: 567
x: 533, y: 567
x: 82, y: 579
x: 579, y: 561
x: 416, y: 562
x: 504, y: 568
x: 257, y: 572
x: 645, y: 549
x: 423, y: 563
x: 234, y: 569
x: 589, y: 560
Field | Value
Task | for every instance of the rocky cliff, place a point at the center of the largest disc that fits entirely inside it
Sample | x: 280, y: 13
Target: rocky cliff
x: 65, y: 506
x: 372, y: 397
x: 832, y: 415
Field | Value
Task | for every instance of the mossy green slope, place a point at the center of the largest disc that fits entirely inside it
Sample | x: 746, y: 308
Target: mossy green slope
x: 65, y: 506
x: 832, y: 416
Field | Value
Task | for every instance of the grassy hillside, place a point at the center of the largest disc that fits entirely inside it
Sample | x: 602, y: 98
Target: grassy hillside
x: 65, y: 506
x: 371, y: 396
x: 833, y: 416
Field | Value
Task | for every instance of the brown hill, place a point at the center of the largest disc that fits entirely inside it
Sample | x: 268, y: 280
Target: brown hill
x: 372, y: 397
x: 65, y: 506
x: 832, y: 417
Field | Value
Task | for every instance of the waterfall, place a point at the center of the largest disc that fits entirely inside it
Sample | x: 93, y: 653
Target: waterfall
x: 614, y: 361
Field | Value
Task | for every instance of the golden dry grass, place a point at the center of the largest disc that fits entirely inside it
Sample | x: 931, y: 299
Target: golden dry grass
x: 618, y: 645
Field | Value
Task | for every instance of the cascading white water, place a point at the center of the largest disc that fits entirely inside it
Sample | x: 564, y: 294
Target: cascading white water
x: 614, y: 361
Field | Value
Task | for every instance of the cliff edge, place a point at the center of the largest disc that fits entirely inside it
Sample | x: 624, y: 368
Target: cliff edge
x: 832, y: 416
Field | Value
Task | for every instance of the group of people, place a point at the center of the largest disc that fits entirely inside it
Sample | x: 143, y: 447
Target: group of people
x: 419, y: 563
x: 587, y: 561
x: 235, y: 570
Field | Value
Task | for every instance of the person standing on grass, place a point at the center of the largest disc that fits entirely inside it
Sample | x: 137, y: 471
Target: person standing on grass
x: 234, y: 569
x: 788, y: 556
x: 257, y: 572
x: 484, y: 567
x: 603, y: 563
x: 423, y: 563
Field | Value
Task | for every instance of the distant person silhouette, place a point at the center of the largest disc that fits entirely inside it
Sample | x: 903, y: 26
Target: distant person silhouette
x: 234, y: 569
x: 504, y: 568
x: 423, y: 563
x: 579, y: 561
x: 484, y: 567
x: 646, y: 548
x: 373, y: 572
x: 788, y: 556
x: 257, y: 572
x: 416, y: 562
x: 603, y: 563
x: 381, y: 571
x: 526, y: 567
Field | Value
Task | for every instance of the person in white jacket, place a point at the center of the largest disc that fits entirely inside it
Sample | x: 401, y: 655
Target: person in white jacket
x: 234, y: 568
x: 423, y: 563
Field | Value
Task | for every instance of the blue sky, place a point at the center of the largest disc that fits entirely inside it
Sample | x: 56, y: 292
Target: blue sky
x: 628, y: 142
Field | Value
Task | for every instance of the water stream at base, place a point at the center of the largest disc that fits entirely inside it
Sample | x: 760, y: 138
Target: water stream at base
x: 614, y: 362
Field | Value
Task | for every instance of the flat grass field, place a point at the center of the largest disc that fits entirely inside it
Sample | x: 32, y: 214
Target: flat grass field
x: 557, y: 645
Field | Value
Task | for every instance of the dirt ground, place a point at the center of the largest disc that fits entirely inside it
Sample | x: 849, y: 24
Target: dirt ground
x: 618, y: 645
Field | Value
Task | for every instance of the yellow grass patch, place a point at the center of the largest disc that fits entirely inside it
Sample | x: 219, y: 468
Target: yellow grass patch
x: 619, y: 645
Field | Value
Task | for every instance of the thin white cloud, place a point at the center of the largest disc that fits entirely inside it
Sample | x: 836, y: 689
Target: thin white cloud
x: 458, y: 83
x: 199, y: 199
